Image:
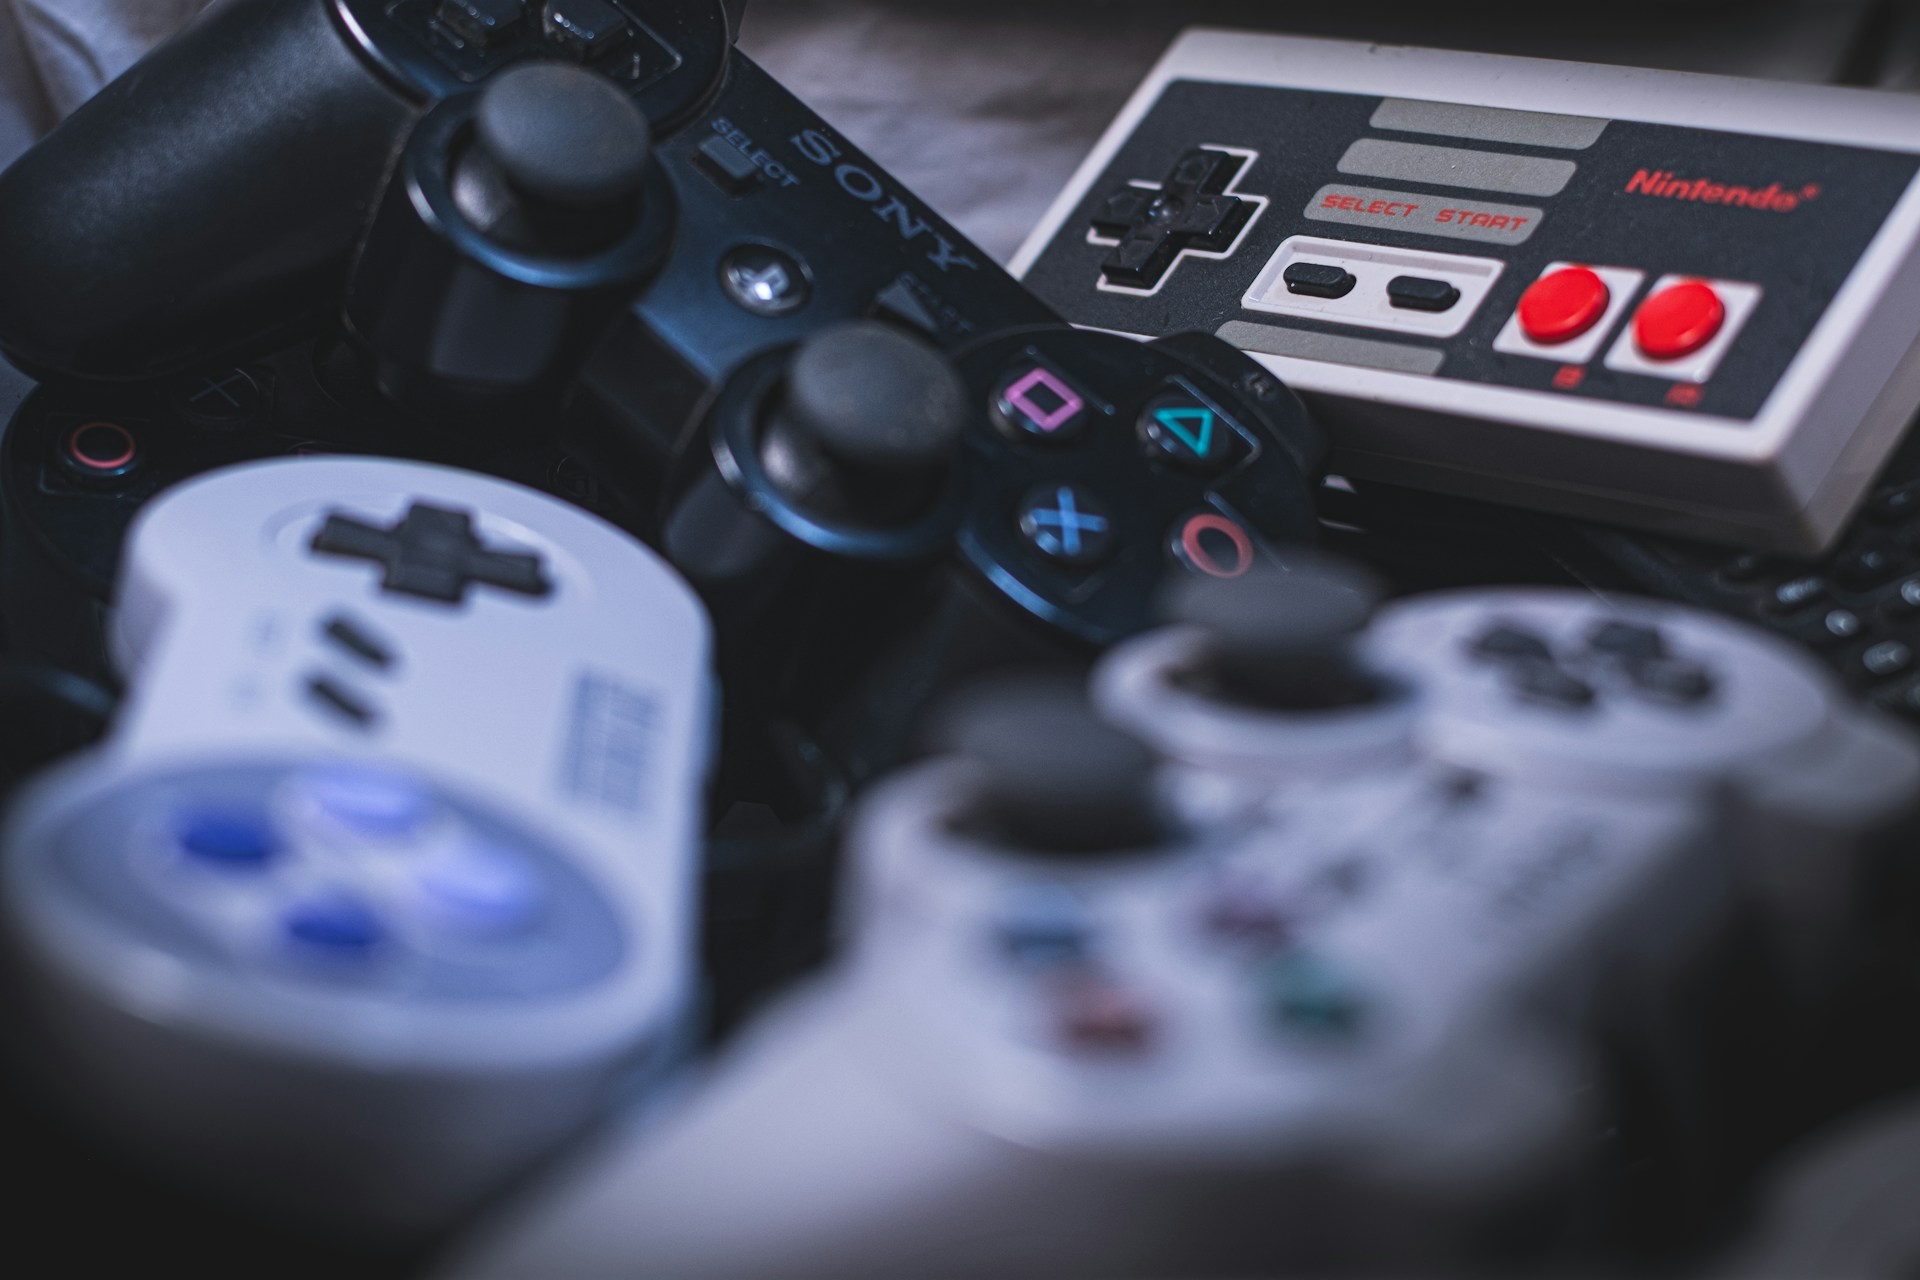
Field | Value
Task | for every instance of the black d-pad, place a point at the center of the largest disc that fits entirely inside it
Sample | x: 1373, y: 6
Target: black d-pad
x: 1189, y: 211
x: 432, y: 553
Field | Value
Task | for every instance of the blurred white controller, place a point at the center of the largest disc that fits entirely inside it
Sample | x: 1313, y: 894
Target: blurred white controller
x: 1104, y: 1016
x: 384, y: 881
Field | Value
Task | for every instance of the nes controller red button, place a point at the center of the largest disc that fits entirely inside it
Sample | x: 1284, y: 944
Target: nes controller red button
x: 1679, y: 320
x: 1563, y: 305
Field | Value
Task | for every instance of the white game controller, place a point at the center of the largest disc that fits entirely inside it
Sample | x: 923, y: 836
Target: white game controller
x: 1555, y: 689
x: 384, y: 881
x: 1078, y: 1035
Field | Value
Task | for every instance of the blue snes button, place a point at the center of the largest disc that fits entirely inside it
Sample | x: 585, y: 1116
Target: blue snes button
x: 375, y: 803
x: 226, y: 838
x: 1045, y: 925
x: 483, y: 888
x: 337, y: 926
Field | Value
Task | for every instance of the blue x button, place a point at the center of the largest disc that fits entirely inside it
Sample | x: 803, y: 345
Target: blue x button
x: 1067, y: 524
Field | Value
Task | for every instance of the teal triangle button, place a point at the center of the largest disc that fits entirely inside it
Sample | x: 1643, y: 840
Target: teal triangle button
x: 1192, y: 427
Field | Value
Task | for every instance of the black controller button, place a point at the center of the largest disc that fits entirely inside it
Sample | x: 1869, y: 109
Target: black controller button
x: 1628, y: 641
x: 765, y: 280
x: 1675, y: 681
x: 1799, y: 594
x: 1509, y: 643
x: 1548, y: 685
x: 1035, y: 402
x: 432, y: 554
x: 587, y: 29
x: 1905, y: 602
x: 727, y: 166
x: 1319, y: 280
x: 1836, y: 627
x: 1869, y: 568
x: 356, y: 639
x: 1054, y: 776
x: 483, y: 24
x: 341, y: 702
x: 1895, y: 506
x: 1887, y: 659
x: 1213, y: 546
x: 100, y: 451
x: 232, y: 400
x: 1420, y: 293
x: 1284, y: 637
x: 1178, y: 428
x: 1189, y: 211
x: 1743, y: 570
x: 1066, y: 524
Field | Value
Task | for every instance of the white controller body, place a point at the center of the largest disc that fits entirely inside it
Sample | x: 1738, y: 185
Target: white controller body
x: 1725, y: 343
x: 1391, y: 996
x: 372, y: 895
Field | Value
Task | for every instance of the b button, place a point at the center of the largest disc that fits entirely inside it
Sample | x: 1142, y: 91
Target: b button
x: 1215, y: 545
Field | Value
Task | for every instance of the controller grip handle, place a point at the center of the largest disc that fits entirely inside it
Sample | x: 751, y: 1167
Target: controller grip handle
x: 206, y: 202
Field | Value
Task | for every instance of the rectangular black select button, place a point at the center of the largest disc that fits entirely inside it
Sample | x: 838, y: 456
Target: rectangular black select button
x: 1319, y: 280
x: 731, y: 169
x: 1422, y: 293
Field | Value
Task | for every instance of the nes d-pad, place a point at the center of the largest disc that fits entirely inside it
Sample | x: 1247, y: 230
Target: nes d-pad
x: 432, y: 553
x: 1192, y: 211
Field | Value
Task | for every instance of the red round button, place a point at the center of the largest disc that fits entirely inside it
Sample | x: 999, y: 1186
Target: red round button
x: 1678, y: 321
x: 1563, y: 304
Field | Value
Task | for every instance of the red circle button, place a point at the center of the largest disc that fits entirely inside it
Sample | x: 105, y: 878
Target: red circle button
x: 1678, y: 321
x: 1563, y: 305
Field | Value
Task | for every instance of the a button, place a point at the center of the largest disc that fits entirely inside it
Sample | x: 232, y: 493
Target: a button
x: 100, y: 451
x: 1508, y: 643
x: 1419, y: 293
x: 238, y: 841
x: 1044, y: 925
x: 1209, y: 543
x: 1869, y: 567
x: 1895, y: 506
x: 1901, y: 699
x: 433, y: 554
x: 363, y: 803
x: 1066, y: 524
x: 1888, y: 658
x: 1548, y: 685
x: 1628, y: 641
x: 730, y: 168
x: 1742, y: 570
x: 1801, y: 593
x: 1248, y: 914
x: 357, y: 640
x: 1189, y: 211
x: 1035, y: 401
x: 343, y: 927
x: 765, y: 280
x: 228, y: 401
x: 481, y: 889
x: 1319, y: 280
x: 586, y: 29
x: 1839, y: 625
x: 1671, y: 680
x: 482, y: 23
x: 1679, y: 320
x: 1562, y: 306
x: 1096, y: 1015
x: 1193, y: 436
x: 1905, y: 602
x: 1304, y: 994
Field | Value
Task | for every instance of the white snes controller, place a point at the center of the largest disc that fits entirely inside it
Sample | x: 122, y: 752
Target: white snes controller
x: 1105, y: 1015
x: 384, y: 881
x: 1271, y: 684
x: 1682, y: 302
